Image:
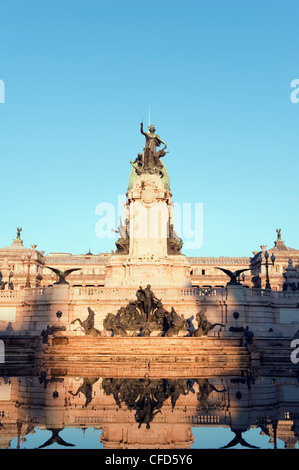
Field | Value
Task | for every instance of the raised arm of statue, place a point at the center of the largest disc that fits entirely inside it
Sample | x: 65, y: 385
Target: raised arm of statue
x: 141, y: 129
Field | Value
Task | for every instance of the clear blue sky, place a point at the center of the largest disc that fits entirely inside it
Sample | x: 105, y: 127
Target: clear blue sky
x: 79, y: 77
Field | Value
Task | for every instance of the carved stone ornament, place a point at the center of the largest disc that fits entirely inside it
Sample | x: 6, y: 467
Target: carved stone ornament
x: 149, y: 194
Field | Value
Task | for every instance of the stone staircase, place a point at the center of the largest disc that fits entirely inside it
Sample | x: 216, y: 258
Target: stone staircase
x: 275, y: 353
x: 20, y: 356
x: 139, y: 356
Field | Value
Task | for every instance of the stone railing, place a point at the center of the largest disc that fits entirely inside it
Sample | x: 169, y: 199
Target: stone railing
x: 123, y: 292
x: 110, y: 292
x: 200, y: 419
x: 198, y: 291
x: 287, y: 295
x: 9, y: 294
x: 273, y: 294
x: 259, y: 292
x: 37, y: 292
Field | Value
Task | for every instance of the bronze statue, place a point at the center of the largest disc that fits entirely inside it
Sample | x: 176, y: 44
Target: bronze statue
x: 278, y: 231
x: 50, y: 330
x: 174, y: 242
x: 245, y: 330
x: 146, y: 314
x: 137, y: 164
x: 19, y: 230
x: 174, y: 323
x: 174, y: 246
x: 148, y: 300
x: 151, y: 158
x: 88, y: 324
x: 234, y: 275
x: 204, y: 326
x: 123, y: 242
x: 62, y: 274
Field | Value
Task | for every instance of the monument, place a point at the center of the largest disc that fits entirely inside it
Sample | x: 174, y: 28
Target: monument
x: 148, y: 249
x: 144, y: 303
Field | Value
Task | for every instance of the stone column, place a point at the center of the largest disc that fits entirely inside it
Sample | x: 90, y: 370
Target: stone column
x: 148, y: 208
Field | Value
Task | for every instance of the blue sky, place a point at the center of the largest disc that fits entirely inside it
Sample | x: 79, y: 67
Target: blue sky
x: 79, y: 77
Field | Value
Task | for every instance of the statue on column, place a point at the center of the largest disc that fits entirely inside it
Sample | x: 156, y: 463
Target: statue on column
x: 149, y: 160
x: 19, y: 230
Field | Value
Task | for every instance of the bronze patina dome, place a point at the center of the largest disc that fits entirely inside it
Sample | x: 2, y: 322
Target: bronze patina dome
x: 165, y: 179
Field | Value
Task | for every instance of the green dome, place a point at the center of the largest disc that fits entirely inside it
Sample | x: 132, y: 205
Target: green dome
x: 165, y: 179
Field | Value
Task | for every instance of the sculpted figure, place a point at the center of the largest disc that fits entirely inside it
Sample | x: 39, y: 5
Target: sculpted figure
x: 174, y: 246
x: 137, y: 164
x: 174, y: 323
x: 19, y: 230
x: 88, y: 324
x: 62, y: 274
x: 122, y: 244
x: 50, y: 330
x: 234, y: 275
x: 204, y: 326
x: 148, y: 300
x: 151, y: 156
x: 145, y: 315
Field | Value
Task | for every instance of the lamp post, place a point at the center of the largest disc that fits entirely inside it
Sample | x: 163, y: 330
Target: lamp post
x: 29, y: 260
x: 266, y: 255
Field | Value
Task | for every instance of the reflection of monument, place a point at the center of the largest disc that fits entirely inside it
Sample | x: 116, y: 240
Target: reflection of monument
x: 148, y: 413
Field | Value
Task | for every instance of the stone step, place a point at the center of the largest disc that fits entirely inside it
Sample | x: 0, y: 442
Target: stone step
x: 131, y: 350
x: 205, y: 354
x: 139, y: 371
x: 151, y: 340
x: 97, y: 354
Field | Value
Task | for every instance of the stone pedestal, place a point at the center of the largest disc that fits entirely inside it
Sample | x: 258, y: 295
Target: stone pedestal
x: 169, y: 271
x: 148, y: 212
x: 149, y: 224
x: 59, y: 308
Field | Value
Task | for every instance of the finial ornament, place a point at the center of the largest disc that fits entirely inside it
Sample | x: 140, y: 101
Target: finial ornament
x: 278, y: 231
x: 19, y: 230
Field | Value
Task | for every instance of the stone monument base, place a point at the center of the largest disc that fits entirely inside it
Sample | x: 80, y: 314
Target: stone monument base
x: 169, y: 271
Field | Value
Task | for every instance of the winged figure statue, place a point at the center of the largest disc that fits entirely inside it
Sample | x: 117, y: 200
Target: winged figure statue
x: 62, y: 274
x: 233, y: 275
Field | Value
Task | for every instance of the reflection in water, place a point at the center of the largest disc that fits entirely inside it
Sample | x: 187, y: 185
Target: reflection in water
x: 86, y: 389
x: 146, y: 396
x: 238, y: 439
x: 55, y: 438
x: 149, y: 412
